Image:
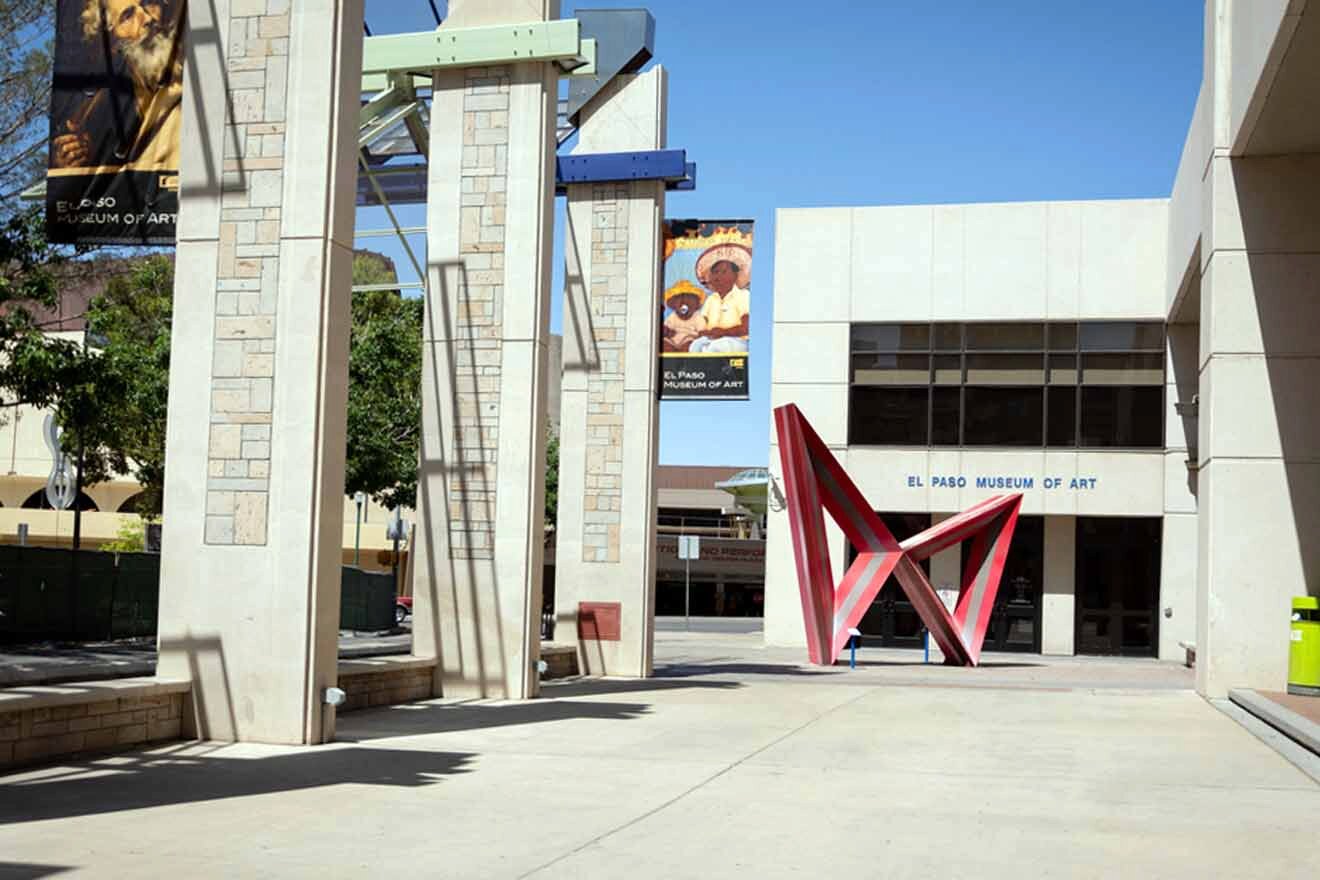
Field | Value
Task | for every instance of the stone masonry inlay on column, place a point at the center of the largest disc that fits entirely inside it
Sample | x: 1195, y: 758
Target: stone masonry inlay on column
x: 603, y: 499
x: 478, y: 347
x: 243, y: 367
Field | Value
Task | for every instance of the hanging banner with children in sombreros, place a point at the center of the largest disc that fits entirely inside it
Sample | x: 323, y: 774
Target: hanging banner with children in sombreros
x: 705, y: 311
x: 116, y: 106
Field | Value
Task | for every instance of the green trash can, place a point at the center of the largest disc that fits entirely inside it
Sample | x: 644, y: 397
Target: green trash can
x: 1304, y: 649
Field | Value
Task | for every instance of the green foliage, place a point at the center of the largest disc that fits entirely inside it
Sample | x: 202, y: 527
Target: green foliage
x: 26, y: 42
x: 132, y: 537
x: 133, y: 318
x: 551, y: 480
x: 384, y: 388
x: 108, y: 397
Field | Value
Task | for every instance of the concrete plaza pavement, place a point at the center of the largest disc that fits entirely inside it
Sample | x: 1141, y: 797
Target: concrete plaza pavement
x: 735, y: 761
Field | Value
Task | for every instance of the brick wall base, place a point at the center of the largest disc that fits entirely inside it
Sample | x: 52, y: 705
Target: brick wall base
x: 384, y: 687
x: 29, y: 736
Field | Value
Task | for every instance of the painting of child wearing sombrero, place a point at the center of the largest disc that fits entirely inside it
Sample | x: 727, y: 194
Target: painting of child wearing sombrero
x: 705, y: 309
x: 725, y: 270
x: 685, y: 323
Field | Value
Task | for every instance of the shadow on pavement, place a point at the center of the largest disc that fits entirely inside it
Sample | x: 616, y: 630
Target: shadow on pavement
x: 422, y: 718
x: 593, y: 687
x: 686, y: 670
x: 29, y: 871
x: 984, y: 664
x: 142, y: 780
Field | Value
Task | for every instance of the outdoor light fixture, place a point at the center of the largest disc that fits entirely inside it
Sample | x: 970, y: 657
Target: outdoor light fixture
x: 335, y: 696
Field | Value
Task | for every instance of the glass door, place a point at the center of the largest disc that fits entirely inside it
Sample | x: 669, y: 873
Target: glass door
x: 891, y: 621
x: 1118, y: 585
x: 1015, y: 619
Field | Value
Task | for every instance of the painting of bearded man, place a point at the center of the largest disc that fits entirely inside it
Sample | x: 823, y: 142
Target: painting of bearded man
x: 116, y: 111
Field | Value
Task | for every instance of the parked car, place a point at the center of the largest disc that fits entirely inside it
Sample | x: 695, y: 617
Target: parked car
x: 402, y: 608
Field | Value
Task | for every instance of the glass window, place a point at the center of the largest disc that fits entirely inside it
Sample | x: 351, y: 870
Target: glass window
x: 1059, y: 384
x: 1123, y: 369
x: 1005, y: 369
x: 891, y: 337
x: 1063, y: 369
x: 945, y: 406
x: 1003, y: 416
x: 888, y: 416
x: 1122, y: 336
x: 948, y: 369
x: 948, y: 337
x: 891, y: 369
x: 1125, y: 417
x: 1062, y: 408
x: 1005, y: 337
x: 1063, y: 337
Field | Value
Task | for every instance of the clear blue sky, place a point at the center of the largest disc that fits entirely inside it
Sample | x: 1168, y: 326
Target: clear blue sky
x: 893, y: 102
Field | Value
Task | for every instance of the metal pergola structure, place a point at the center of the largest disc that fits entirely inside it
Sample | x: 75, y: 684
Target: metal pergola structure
x: 393, y: 134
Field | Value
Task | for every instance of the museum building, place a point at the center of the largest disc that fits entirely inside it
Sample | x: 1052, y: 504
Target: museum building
x: 1027, y: 354
x: 1142, y: 371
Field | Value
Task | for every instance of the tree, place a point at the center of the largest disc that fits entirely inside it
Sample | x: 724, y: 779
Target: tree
x: 132, y: 537
x: 108, y: 395
x: 551, y: 480
x: 133, y: 320
x: 384, y: 388
x: 25, y: 78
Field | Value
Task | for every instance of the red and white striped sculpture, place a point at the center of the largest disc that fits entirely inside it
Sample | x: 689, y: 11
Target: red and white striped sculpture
x: 814, y: 483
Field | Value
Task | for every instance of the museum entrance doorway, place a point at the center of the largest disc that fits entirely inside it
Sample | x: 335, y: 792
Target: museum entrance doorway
x: 1015, y: 621
x: 1118, y: 585
x: 892, y: 622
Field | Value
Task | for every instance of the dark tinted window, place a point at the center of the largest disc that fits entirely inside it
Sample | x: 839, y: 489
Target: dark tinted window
x: 945, y: 407
x: 1058, y: 384
x: 1062, y: 430
x: 1131, y: 417
x: 1122, y: 336
x: 1003, y: 416
x: 1005, y: 337
x: 882, y: 416
x: 891, y: 337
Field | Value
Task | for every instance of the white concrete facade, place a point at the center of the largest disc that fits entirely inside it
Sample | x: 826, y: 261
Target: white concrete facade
x: 1247, y: 258
x: 1066, y: 261
x: 1229, y: 261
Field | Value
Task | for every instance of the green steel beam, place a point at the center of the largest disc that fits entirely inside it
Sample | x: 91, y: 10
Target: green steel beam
x: 585, y: 61
x: 391, y: 95
x: 473, y: 47
x: 382, y: 123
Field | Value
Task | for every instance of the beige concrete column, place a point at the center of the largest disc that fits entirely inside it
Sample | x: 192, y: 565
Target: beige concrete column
x: 606, y: 536
x: 1058, y: 597
x: 249, y: 604
x: 1177, y: 608
x: 481, y: 528
x: 1259, y: 449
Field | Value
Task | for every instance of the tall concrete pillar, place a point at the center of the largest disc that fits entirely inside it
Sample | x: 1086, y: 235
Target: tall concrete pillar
x: 1259, y: 449
x: 249, y: 603
x: 1177, y: 607
x: 609, y: 416
x: 481, y: 524
x: 1059, y: 592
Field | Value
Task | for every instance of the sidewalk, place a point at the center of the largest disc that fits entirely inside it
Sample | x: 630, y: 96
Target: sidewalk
x: 52, y: 664
x: 736, y: 761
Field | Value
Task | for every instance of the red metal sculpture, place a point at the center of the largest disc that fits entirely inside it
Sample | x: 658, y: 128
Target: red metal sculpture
x: 814, y: 483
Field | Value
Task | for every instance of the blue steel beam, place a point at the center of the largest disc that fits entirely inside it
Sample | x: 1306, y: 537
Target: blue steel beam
x: 406, y: 184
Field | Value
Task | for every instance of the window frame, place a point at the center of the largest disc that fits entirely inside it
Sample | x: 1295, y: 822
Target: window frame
x: 932, y: 331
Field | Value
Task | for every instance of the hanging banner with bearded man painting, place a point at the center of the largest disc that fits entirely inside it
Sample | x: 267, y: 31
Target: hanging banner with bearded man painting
x: 115, y: 112
x: 705, y: 310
